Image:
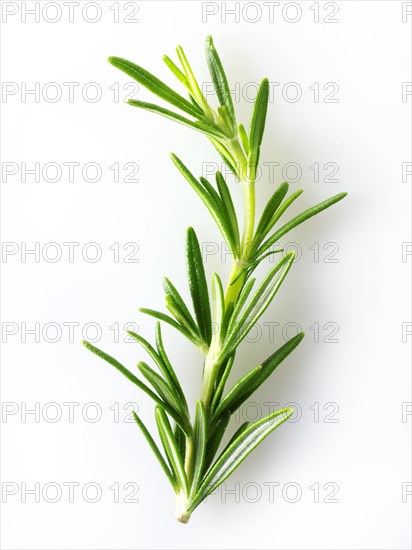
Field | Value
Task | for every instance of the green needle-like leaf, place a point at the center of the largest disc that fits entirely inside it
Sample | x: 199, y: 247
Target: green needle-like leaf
x: 212, y: 192
x: 228, y: 403
x: 180, y: 439
x: 243, y: 138
x: 170, y: 410
x: 257, y: 127
x: 228, y: 206
x: 209, y: 201
x: 164, y: 366
x: 155, y: 85
x: 218, y: 300
x: 170, y: 321
x: 271, y: 208
x: 276, y: 216
x: 223, y: 207
x: 156, y: 451
x: 214, y: 440
x: 300, y: 219
x: 195, y: 103
x: 221, y: 381
x: 225, y: 155
x: 171, y: 372
x: 163, y: 390
x: 200, y: 440
x: 198, y: 285
x: 199, y: 126
x: 193, y: 84
x: 237, y: 451
x: 176, y: 71
x: 237, y: 433
x: 179, y: 304
x: 243, y: 389
x: 225, y: 121
x: 241, y: 324
x: 177, y: 313
x: 219, y: 79
x: 171, y: 448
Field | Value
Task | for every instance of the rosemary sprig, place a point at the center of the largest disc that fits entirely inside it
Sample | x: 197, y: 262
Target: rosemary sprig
x: 221, y: 319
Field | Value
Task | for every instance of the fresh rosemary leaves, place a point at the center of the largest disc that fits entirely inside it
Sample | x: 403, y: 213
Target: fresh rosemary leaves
x: 220, y: 319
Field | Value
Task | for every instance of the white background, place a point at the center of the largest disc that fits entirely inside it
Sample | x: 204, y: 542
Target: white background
x: 363, y: 379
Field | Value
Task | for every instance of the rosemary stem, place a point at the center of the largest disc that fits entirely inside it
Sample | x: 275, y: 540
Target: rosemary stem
x: 210, y: 370
x: 189, y: 458
x: 235, y: 283
x: 248, y: 188
x: 247, y: 180
x: 181, y: 512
